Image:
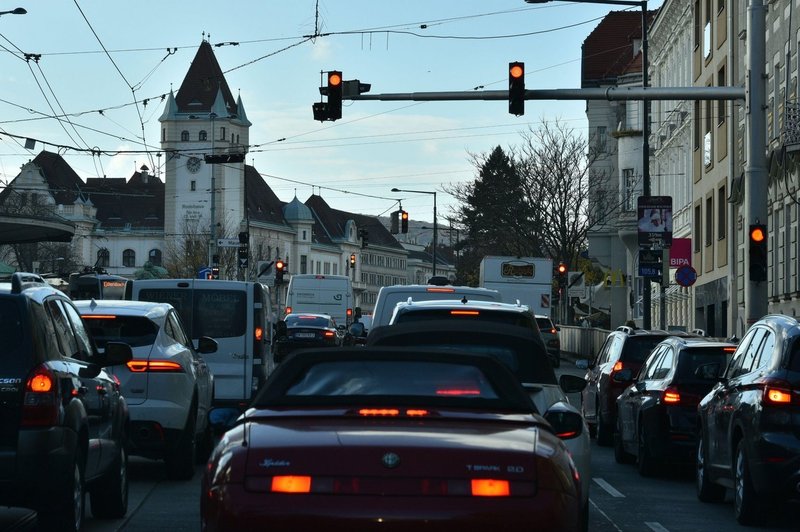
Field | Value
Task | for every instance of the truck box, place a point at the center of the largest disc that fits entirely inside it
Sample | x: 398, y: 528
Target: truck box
x: 527, y: 279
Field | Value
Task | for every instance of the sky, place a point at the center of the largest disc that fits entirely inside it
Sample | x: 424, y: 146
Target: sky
x: 103, y: 66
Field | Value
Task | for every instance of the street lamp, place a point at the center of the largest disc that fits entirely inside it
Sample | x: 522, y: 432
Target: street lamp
x: 646, y: 294
x: 17, y: 11
x: 435, y: 232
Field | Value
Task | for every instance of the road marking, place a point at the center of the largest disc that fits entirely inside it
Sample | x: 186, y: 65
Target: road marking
x: 608, y: 487
x: 596, y: 507
x: 656, y: 527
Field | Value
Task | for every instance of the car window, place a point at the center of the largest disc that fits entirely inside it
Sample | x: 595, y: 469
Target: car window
x: 664, y: 367
x: 64, y: 335
x: 750, y: 354
x: 614, y: 349
x: 136, y: 331
x: 692, y: 358
x: 10, y: 327
x: 303, y: 320
x: 636, y: 349
x: 85, y: 345
x: 652, y: 363
x: 174, y: 328
x: 545, y: 325
x: 602, y: 355
x: 794, y: 357
x: 510, y: 318
x: 738, y: 357
x: 764, y: 355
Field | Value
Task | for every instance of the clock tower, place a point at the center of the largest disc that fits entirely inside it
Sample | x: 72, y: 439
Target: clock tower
x: 201, y: 120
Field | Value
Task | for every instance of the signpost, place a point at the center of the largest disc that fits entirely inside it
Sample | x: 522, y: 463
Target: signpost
x: 228, y: 242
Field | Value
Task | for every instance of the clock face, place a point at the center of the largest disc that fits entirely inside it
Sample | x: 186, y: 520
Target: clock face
x: 193, y: 164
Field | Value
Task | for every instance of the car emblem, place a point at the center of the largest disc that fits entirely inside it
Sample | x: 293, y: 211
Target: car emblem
x: 391, y: 460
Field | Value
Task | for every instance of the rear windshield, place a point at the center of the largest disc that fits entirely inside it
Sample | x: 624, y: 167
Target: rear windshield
x: 637, y: 349
x: 693, y: 358
x: 214, y: 313
x: 509, y: 318
x: 306, y: 321
x: 10, y: 327
x: 545, y: 325
x: 135, y: 331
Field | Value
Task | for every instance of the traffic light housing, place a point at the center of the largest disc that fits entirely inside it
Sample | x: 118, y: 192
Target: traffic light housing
x: 404, y: 221
x: 516, y: 88
x: 561, y: 272
x: 757, y: 237
x: 395, y: 225
x: 280, y: 267
x: 215, y: 272
x: 334, y: 95
x: 352, y: 260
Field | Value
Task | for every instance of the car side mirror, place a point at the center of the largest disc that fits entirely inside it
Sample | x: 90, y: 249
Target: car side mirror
x: 582, y: 363
x: 572, y: 383
x: 206, y: 345
x: 565, y: 419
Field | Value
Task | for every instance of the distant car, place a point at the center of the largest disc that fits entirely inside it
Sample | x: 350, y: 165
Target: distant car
x: 749, y: 423
x: 517, y: 348
x: 624, y: 348
x: 304, y: 330
x: 65, y: 422
x: 167, y: 384
x: 404, y: 439
x: 549, y: 332
x: 657, y: 414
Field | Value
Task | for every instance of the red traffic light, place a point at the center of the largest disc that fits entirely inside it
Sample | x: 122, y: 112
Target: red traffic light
x: 516, y: 88
x: 516, y: 70
x: 279, y: 265
x: 353, y: 259
x: 758, y: 233
x: 334, y: 78
x: 404, y: 214
x: 562, y: 268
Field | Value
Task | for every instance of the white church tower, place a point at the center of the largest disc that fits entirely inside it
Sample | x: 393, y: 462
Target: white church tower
x: 200, y: 121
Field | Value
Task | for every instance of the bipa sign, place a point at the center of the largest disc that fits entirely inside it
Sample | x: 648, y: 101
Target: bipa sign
x: 680, y: 253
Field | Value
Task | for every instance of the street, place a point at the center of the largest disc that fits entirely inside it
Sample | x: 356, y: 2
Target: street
x: 620, y: 500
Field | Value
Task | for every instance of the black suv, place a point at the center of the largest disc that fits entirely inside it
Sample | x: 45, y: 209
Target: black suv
x: 64, y: 420
x: 625, y: 348
x: 749, y: 423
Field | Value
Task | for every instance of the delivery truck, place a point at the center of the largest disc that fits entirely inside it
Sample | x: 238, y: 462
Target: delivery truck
x: 528, y: 280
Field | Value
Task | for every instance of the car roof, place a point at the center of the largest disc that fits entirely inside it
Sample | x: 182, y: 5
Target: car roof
x: 147, y: 309
x: 313, y: 314
x: 698, y: 342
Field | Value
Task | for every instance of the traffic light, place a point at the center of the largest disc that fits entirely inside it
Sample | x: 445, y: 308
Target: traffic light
x: 280, y: 266
x: 404, y: 221
x: 244, y: 237
x: 334, y: 95
x: 758, y: 252
x: 395, y: 226
x: 562, y: 274
x: 215, y: 272
x: 352, y: 260
x: 516, y: 88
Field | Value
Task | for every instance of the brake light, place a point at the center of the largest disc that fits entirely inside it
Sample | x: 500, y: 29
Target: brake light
x: 329, y: 334
x: 441, y: 290
x: 671, y: 396
x: 458, y: 391
x: 617, y: 366
x: 291, y: 484
x: 154, y: 366
x: 489, y: 487
x: 377, y: 412
x: 729, y: 349
x: 553, y: 330
x: 465, y: 313
x: 288, y: 310
x: 98, y: 317
x: 777, y: 392
x: 259, y: 332
x: 40, y: 405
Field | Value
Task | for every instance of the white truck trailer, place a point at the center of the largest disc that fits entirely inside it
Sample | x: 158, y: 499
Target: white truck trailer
x: 527, y: 279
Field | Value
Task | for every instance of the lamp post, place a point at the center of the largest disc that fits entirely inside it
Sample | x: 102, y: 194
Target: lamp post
x: 646, y: 289
x: 17, y: 11
x: 213, y: 117
x: 435, y: 232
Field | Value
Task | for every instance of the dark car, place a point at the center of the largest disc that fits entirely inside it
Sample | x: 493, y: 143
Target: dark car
x: 657, y: 414
x: 549, y: 332
x: 624, y: 348
x: 749, y: 423
x: 64, y: 420
x: 402, y: 439
x: 303, y: 330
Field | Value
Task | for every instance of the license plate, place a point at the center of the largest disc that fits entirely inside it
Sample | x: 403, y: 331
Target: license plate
x: 305, y: 335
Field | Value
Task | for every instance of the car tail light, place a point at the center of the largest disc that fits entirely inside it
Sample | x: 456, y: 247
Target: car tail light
x: 671, y: 396
x: 617, y: 366
x: 154, y: 366
x: 329, y: 334
x: 259, y: 333
x: 392, y: 412
x: 40, y: 406
x: 488, y: 487
x: 291, y: 484
x: 778, y: 392
x: 553, y: 330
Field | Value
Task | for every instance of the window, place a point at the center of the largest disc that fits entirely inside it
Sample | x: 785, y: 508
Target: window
x: 184, y: 136
x: 696, y: 226
x: 746, y: 354
x: 721, y: 103
x: 304, y: 236
x: 193, y: 185
x: 697, y: 24
x: 303, y: 263
x: 630, y: 180
x: 707, y: 31
x: 129, y: 258
x: 103, y: 258
x: 222, y: 133
x: 722, y: 214
x: 696, y: 122
x: 709, y: 225
x: 203, y: 135
x: 602, y: 139
x: 154, y: 257
x: 708, y: 151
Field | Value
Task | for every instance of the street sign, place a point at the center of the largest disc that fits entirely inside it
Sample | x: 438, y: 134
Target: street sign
x: 650, y: 263
x: 228, y: 242
x: 576, y: 285
x: 685, y: 276
x: 243, y: 263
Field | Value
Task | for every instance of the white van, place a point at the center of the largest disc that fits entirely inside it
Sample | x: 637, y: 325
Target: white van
x: 237, y: 314
x: 321, y: 294
x: 389, y: 296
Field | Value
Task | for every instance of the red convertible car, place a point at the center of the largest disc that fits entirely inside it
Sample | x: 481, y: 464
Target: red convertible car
x: 391, y: 439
